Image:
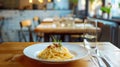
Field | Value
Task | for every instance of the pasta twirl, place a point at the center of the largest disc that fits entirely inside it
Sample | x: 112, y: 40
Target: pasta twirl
x: 55, y: 52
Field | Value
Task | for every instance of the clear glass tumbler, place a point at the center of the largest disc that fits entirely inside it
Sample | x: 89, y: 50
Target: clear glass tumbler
x: 90, y: 35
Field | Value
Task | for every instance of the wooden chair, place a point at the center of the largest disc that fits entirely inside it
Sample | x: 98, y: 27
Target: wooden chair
x: 37, y: 21
x: 105, y: 34
x: 26, y: 26
x: 101, y: 26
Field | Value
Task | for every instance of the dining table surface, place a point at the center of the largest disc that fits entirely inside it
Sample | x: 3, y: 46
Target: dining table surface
x: 51, y: 28
x: 76, y: 28
x: 11, y: 55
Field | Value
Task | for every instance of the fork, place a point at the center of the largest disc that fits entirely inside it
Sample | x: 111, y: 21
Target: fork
x: 94, y: 53
x: 97, y: 60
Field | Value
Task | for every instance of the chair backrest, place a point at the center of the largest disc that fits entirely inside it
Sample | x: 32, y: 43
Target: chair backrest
x: 26, y: 24
x: 101, y: 26
x: 36, y: 19
x: 107, y: 33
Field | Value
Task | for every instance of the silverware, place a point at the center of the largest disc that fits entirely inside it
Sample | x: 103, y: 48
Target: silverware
x: 93, y: 61
x: 108, y: 61
x: 93, y: 55
x: 105, y: 60
x: 96, y: 55
x: 99, y: 61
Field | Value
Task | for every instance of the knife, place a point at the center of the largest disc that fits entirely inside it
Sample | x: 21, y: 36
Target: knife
x: 106, y: 62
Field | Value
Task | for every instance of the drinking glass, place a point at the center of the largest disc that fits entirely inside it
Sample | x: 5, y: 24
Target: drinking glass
x: 69, y: 21
x: 56, y: 21
x: 90, y: 35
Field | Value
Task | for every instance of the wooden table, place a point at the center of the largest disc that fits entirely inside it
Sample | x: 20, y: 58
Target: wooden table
x: 51, y: 29
x: 11, y: 55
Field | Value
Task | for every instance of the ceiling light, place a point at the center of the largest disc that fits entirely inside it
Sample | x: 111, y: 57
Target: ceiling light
x: 41, y: 1
x: 49, y: 0
x: 30, y: 1
x: 58, y: 0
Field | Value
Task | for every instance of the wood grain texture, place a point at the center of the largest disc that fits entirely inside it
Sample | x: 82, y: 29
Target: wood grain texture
x: 11, y: 55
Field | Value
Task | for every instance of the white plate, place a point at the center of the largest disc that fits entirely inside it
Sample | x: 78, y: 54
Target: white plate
x: 77, y: 50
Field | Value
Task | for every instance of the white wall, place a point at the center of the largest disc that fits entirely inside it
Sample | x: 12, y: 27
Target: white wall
x: 63, y: 4
x: 13, y: 17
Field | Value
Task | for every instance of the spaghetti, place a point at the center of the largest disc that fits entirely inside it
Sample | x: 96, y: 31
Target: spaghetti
x: 55, y: 52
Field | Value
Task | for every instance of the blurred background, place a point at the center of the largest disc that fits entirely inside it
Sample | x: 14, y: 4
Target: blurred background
x: 12, y: 12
